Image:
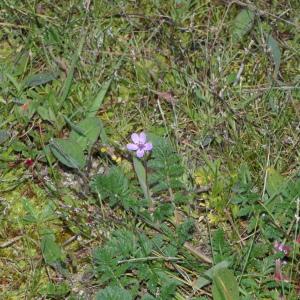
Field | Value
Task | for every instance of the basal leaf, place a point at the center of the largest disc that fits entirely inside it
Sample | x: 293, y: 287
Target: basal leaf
x: 225, y: 286
x: 103, y: 136
x: 141, y: 174
x: 68, y: 152
x: 242, y: 24
x: 46, y: 113
x: 69, y: 80
x: 4, y: 136
x: 275, y: 52
x: 207, y: 276
x: 14, y: 81
x: 39, y: 79
x: 275, y: 182
x: 99, y: 99
x: 90, y: 127
x: 73, y: 126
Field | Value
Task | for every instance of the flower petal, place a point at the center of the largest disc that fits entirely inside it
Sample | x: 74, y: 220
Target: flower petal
x: 135, y: 138
x: 132, y: 147
x: 148, y: 146
x: 142, y: 138
x: 140, y: 153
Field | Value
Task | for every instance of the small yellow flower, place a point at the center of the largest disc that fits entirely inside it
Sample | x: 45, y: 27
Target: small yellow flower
x: 213, y: 218
x: 200, y: 180
x: 103, y: 149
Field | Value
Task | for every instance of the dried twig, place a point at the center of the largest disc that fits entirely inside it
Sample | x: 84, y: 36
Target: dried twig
x: 10, y: 242
x: 197, y: 253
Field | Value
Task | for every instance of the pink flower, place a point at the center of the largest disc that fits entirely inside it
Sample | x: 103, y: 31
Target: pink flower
x: 278, y: 276
x: 298, y: 239
x: 140, y: 144
x: 280, y: 247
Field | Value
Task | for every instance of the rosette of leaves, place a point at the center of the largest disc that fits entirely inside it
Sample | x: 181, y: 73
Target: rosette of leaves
x: 72, y: 151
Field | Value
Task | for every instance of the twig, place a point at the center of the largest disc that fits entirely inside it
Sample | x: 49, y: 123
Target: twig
x: 70, y: 240
x: 149, y: 258
x: 10, y: 242
x: 13, y: 25
x: 197, y: 253
x: 186, y: 245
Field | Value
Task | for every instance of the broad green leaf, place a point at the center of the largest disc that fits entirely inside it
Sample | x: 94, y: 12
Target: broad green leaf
x: 14, y: 81
x: 68, y: 152
x: 207, y: 276
x: 275, y: 182
x: 46, y: 113
x: 4, y: 136
x: 99, y: 99
x: 242, y: 24
x: 142, y: 177
x: 225, y: 286
x: 103, y: 136
x: 97, y: 102
x: 90, y: 127
x: 275, y: 52
x: 39, y: 79
x: 73, y: 126
x: 51, y: 251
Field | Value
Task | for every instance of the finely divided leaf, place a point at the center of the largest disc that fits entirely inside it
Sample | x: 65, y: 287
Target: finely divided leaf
x: 114, y: 293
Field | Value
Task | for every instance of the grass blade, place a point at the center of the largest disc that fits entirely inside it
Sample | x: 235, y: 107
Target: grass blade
x: 142, y: 176
x: 68, y: 83
x: 99, y: 99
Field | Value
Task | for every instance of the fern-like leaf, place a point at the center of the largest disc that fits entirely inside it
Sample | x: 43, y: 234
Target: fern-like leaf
x: 115, y: 187
x: 165, y: 166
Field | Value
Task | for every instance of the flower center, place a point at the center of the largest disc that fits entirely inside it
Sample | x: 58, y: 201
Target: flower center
x: 141, y: 146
